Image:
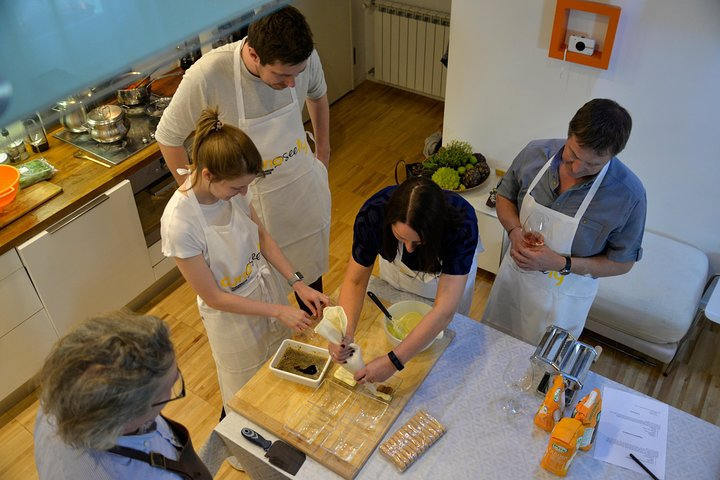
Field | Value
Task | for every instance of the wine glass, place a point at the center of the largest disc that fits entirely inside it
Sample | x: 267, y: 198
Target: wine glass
x: 534, y: 229
x: 518, y: 377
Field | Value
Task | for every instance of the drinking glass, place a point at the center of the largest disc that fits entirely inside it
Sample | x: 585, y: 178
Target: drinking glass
x: 518, y: 378
x: 534, y: 229
x: 36, y: 136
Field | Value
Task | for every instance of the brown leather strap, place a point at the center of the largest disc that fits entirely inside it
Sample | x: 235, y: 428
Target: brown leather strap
x: 188, y: 466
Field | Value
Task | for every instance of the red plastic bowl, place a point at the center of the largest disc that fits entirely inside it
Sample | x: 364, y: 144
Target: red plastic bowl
x: 9, y: 184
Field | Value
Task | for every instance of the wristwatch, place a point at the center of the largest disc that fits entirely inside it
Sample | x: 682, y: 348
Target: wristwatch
x: 296, y: 277
x: 566, y: 268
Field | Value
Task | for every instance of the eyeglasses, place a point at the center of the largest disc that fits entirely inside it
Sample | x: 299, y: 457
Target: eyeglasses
x: 177, y: 392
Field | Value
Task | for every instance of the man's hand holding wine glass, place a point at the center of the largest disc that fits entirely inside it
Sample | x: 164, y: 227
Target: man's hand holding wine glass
x: 528, y: 247
x: 534, y: 229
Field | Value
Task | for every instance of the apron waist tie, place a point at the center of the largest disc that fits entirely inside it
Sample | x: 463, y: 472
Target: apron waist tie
x: 263, y: 274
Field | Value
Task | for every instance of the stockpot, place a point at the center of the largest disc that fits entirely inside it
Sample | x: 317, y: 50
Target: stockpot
x: 73, y: 115
x: 107, y: 124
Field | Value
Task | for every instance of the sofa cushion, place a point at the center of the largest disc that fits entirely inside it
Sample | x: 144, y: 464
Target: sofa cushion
x: 657, y: 300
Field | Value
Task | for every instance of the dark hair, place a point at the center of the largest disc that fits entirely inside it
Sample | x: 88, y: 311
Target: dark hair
x: 421, y: 204
x: 601, y: 125
x: 283, y: 36
x: 225, y: 150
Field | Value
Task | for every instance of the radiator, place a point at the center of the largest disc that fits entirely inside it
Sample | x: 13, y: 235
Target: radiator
x: 409, y: 43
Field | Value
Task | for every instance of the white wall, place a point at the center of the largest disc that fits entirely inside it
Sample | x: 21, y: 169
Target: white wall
x: 503, y: 90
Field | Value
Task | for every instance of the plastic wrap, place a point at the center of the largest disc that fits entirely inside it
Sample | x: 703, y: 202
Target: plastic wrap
x: 35, y: 171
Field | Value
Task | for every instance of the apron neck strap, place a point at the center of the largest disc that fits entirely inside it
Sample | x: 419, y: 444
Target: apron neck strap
x: 195, y: 203
x: 593, y: 189
x: 588, y: 197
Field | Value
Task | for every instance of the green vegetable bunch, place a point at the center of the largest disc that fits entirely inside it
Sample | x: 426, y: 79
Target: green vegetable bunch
x: 455, y: 167
x: 447, y: 178
x: 455, y: 154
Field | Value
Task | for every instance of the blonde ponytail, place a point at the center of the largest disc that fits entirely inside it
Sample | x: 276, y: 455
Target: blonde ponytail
x: 225, y: 150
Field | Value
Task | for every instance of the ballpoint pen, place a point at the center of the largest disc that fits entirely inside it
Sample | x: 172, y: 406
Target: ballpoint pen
x: 643, y: 466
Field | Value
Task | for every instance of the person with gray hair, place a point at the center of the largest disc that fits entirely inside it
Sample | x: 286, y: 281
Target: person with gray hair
x: 102, y: 388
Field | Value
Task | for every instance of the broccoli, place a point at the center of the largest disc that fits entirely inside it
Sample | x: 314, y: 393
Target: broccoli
x: 447, y: 178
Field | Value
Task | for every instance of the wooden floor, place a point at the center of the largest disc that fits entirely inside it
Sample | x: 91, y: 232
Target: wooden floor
x: 371, y: 129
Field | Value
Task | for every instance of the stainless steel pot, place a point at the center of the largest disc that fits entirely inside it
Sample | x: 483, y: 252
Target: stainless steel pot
x: 107, y: 124
x: 73, y: 115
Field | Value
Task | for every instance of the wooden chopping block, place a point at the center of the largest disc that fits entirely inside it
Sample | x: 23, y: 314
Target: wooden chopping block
x: 28, y: 199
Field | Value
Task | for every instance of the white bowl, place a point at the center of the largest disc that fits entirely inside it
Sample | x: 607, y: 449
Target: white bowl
x: 397, y: 310
x: 310, y: 382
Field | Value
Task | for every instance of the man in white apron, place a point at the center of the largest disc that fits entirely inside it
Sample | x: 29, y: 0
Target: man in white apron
x: 261, y: 83
x: 593, y: 209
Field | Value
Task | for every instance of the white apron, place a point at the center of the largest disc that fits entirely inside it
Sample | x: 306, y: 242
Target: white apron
x: 293, y: 200
x: 423, y: 284
x: 240, y: 344
x: 524, y: 303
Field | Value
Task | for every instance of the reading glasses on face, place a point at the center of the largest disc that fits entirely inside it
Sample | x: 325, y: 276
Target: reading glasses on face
x: 178, y: 391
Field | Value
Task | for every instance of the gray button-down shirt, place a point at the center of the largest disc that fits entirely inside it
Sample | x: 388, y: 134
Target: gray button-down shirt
x: 614, y: 222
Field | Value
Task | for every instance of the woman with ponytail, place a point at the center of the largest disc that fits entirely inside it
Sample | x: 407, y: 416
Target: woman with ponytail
x: 212, y: 232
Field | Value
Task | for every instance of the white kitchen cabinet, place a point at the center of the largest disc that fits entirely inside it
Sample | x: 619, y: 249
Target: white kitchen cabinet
x: 23, y: 351
x: 17, y: 295
x: 160, y: 263
x: 492, y: 234
x: 19, y: 300
x: 490, y: 228
x: 92, y: 261
x: 26, y: 333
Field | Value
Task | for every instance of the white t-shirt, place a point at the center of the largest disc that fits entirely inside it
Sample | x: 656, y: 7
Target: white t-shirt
x: 181, y: 231
x: 210, y: 82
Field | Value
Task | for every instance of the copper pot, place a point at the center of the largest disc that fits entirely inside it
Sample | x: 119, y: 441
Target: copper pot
x: 136, y: 91
x: 138, y: 87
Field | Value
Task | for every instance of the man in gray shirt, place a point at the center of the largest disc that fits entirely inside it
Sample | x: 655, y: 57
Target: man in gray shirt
x: 592, y: 208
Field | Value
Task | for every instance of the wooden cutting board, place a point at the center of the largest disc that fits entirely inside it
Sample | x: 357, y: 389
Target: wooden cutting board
x: 27, y: 199
x: 270, y: 401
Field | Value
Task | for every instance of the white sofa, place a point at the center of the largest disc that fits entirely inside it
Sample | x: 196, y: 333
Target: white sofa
x: 651, y: 308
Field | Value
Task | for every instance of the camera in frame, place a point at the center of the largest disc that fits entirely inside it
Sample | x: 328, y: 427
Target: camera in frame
x: 580, y: 44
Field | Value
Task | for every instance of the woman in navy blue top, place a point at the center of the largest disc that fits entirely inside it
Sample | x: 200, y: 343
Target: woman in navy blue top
x: 427, y: 239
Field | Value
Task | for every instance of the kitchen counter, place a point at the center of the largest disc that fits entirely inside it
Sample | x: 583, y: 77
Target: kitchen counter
x: 81, y: 181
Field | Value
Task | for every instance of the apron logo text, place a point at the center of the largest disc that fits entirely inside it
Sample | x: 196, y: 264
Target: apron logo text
x: 557, y: 277
x: 240, y: 280
x: 300, y: 147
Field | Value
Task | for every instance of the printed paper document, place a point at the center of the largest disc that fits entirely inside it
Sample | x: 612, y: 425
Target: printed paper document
x: 631, y: 423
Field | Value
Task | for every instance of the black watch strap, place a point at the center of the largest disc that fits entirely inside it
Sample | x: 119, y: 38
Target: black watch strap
x: 395, y: 360
x: 567, y: 267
